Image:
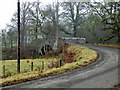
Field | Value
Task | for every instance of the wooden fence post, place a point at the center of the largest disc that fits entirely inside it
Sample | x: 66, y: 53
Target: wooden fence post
x: 60, y: 63
x: 42, y: 64
x: 3, y: 70
x: 31, y: 66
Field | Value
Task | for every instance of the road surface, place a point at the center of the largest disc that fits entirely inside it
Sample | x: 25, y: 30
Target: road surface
x: 101, y: 74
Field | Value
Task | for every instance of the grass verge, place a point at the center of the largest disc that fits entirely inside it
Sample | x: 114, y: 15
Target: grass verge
x: 83, y: 56
x: 107, y: 45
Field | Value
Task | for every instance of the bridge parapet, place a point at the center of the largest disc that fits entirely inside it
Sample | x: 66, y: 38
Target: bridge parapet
x: 72, y: 40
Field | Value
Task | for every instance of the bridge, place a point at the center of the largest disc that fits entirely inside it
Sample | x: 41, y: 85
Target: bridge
x: 73, y: 39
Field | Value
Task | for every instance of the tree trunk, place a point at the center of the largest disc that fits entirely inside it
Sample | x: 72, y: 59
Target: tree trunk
x: 75, y: 31
x: 36, y: 40
x: 22, y: 38
x: 57, y: 29
x: 11, y: 45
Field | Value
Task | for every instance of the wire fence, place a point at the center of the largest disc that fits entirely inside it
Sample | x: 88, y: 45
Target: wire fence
x: 32, y: 67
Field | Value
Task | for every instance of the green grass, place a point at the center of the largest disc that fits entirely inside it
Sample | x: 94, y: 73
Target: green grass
x: 11, y: 65
x: 83, y: 56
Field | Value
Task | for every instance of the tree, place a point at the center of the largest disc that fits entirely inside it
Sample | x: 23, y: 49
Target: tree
x: 73, y: 14
x: 56, y: 24
x: 110, y: 14
x: 24, y: 23
x: 37, y: 19
x: 4, y: 38
x: 52, y: 23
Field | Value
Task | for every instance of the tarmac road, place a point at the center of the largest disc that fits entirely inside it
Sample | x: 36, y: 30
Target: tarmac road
x: 101, y: 74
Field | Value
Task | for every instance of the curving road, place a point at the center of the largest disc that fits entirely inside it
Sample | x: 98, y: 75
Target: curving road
x: 101, y: 74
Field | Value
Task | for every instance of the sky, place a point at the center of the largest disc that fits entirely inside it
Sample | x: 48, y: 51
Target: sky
x: 8, y: 8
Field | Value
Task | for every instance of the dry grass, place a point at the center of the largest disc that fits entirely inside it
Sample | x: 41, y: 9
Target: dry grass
x: 107, y: 45
x: 83, y: 56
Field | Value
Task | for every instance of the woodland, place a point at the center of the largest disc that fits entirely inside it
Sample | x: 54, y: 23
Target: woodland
x: 41, y: 26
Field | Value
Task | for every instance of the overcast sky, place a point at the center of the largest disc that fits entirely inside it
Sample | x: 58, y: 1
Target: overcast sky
x: 8, y: 7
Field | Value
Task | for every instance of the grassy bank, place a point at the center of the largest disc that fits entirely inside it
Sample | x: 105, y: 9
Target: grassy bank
x: 82, y: 56
x: 108, y: 45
